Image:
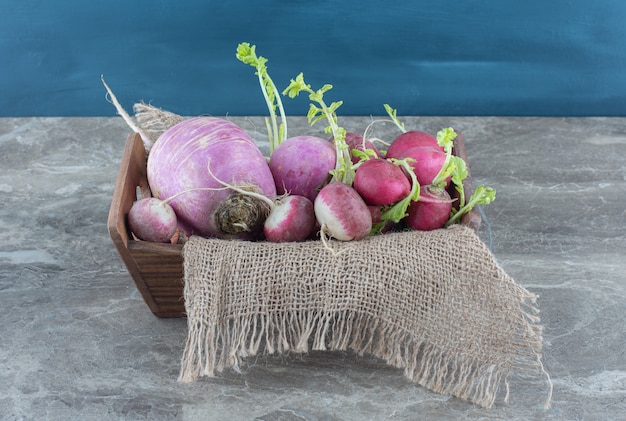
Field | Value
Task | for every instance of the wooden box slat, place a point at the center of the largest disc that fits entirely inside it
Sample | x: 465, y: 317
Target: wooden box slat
x: 151, y: 265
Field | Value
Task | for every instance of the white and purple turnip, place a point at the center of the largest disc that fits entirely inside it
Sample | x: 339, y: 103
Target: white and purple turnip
x: 342, y: 213
x: 193, y: 156
x: 152, y: 219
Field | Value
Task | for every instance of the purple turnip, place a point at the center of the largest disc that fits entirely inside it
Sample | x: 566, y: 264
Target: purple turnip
x: 426, y: 162
x: 301, y: 165
x: 193, y: 156
x: 411, y: 139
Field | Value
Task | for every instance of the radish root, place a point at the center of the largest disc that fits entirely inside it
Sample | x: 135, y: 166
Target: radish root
x: 324, y: 238
x: 375, y: 139
x: 245, y: 190
x: 244, y: 211
x: 150, y: 122
x: 147, y: 142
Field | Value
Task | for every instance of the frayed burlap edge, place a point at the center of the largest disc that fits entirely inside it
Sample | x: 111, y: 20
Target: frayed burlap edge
x: 154, y: 121
x: 218, y: 340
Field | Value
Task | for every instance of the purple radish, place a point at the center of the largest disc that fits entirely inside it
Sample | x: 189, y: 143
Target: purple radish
x: 151, y: 219
x: 409, y: 140
x: 300, y: 165
x: 292, y: 218
x: 342, y: 213
x: 431, y: 211
x: 380, y: 182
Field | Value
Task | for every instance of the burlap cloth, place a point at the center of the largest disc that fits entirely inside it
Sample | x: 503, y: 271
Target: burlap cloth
x: 435, y: 304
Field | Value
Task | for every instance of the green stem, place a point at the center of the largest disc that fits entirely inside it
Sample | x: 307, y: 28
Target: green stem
x: 272, y: 131
x: 482, y: 196
x: 246, y: 53
x: 393, y: 114
x: 445, y: 139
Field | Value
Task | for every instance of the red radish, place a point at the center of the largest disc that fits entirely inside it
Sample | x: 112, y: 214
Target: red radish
x: 342, y: 213
x: 391, y: 215
x: 428, y: 162
x: 431, y: 211
x: 409, y: 140
x: 151, y: 219
x: 379, y: 182
x: 378, y: 225
x: 375, y: 212
x: 300, y: 165
x: 356, y: 141
x: 291, y: 219
x: 193, y: 156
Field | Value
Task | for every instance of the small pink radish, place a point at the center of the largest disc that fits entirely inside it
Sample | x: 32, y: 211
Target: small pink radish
x: 300, y: 165
x: 431, y: 211
x: 342, y: 213
x: 378, y: 225
x: 380, y: 182
x: 428, y: 162
x: 356, y: 141
x: 151, y: 219
x: 409, y: 140
x: 292, y: 219
x: 375, y: 212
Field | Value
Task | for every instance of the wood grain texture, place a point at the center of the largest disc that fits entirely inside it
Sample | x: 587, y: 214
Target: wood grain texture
x: 156, y: 269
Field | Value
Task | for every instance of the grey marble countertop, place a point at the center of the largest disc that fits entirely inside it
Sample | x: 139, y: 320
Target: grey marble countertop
x: 78, y: 342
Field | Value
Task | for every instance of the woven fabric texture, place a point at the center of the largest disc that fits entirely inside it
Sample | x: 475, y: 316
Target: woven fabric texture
x: 435, y: 304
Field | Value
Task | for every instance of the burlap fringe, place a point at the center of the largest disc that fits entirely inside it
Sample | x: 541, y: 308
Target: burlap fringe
x: 210, y: 349
x: 154, y: 121
x: 215, y: 345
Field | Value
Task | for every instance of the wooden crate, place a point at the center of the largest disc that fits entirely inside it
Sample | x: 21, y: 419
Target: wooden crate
x: 157, y: 268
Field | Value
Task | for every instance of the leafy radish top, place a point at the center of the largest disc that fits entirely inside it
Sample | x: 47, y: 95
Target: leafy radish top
x: 343, y: 171
x: 455, y: 168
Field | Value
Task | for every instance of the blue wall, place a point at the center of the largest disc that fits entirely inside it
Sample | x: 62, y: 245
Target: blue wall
x: 531, y: 57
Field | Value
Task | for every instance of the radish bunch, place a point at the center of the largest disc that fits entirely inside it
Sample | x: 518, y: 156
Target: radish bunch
x: 210, y: 179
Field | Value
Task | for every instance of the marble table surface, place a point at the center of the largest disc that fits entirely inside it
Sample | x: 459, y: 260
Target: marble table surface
x: 78, y: 342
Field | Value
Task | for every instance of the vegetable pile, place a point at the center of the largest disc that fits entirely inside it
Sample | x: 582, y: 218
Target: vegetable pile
x: 208, y: 177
